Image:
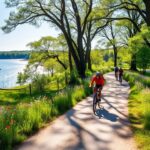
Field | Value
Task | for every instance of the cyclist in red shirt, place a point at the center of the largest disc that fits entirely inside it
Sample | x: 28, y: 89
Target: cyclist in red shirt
x: 98, y: 80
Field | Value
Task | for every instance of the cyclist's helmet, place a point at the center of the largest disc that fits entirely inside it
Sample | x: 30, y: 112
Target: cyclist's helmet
x: 98, y: 74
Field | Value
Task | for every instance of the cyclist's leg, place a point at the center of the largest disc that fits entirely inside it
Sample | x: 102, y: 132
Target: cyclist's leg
x: 94, y: 90
x: 116, y: 75
x: 100, y: 91
x: 99, y: 101
x: 120, y: 78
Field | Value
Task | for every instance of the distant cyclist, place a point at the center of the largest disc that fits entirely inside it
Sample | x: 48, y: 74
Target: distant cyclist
x: 99, y: 81
x: 116, y: 72
x: 120, y: 74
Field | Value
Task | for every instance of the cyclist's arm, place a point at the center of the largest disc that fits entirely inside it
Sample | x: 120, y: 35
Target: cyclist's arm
x: 92, y: 82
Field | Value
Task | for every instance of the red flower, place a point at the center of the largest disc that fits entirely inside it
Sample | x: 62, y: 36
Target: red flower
x: 8, y: 126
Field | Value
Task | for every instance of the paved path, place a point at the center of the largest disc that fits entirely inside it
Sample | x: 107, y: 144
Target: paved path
x: 80, y: 129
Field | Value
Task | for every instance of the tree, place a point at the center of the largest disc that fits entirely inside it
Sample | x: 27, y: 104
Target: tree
x: 130, y: 31
x: 110, y: 34
x: 68, y: 16
x: 141, y: 50
x: 45, y: 49
x: 49, y: 65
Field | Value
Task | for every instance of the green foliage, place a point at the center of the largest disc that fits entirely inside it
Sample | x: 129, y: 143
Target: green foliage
x: 74, y: 77
x: 45, y: 43
x: 139, y: 107
x: 21, y: 78
x: 39, y: 81
x: 99, y: 61
x: 24, y: 119
x: 21, y: 120
x: 143, y: 58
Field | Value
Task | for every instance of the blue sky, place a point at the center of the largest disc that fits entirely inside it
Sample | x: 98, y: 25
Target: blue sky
x: 22, y: 35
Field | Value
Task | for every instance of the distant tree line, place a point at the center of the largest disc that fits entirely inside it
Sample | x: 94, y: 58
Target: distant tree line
x: 14, y: 54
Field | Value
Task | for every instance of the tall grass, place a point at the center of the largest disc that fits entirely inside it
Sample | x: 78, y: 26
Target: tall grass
x: 139, y: 108
x: 16, y: 123
x: 146, y: 94
x: 134, y: 76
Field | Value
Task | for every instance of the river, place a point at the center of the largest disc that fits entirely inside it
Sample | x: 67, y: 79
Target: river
x: 9, y: 69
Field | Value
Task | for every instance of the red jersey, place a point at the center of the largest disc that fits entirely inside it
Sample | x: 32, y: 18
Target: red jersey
x: 98, y: 80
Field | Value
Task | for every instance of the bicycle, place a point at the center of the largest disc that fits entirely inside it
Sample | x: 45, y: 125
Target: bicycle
x: 97, y: 100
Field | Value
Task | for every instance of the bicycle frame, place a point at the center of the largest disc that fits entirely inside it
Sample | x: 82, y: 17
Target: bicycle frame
x: 96, y: 99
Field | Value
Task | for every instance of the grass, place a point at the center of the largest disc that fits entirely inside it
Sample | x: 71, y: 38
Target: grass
x: 23, y: 119
x: 139, y: 108
x: 21, y: 94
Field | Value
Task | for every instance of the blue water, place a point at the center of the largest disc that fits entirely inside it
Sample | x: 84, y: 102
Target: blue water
x: 9, y: 69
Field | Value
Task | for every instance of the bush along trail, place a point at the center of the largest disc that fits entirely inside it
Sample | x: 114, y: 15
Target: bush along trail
x: 79, y: 128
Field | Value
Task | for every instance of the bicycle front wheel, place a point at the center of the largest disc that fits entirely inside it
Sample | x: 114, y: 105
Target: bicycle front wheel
x: 94, y: 104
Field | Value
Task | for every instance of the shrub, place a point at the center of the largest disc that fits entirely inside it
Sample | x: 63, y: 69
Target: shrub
x: 78, y: 93
x: 39, y: 81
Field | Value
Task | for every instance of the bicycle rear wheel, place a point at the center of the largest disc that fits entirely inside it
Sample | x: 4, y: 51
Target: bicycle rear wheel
x: 99, y: 103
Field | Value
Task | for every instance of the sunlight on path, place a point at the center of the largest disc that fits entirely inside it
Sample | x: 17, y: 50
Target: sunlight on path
x: 80, y: 129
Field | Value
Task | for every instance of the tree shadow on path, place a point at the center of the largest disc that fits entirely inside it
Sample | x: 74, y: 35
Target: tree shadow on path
x: 80, y: 129
x: 114, y: 107
x: 103, y: 113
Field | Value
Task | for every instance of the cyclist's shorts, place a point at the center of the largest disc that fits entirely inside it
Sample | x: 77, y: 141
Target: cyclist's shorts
x: 98, y: 86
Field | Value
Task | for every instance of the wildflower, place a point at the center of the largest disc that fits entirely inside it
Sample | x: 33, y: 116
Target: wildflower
x: 7, y: 127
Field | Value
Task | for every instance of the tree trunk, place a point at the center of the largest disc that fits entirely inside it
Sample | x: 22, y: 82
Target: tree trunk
x: 70, y: 62
x: 147, y: 11
x: 115, y: 55
x: 88, y: 58
x: 88, y: 51
x: 133, y: 63
x: 81, y: 69
x: 80, y: 65
x: 89, y: 62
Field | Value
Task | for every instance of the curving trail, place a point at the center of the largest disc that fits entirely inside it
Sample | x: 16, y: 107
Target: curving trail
x: 80, y: 129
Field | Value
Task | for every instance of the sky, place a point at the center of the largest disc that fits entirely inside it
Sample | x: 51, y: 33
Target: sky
x: 22, y: 35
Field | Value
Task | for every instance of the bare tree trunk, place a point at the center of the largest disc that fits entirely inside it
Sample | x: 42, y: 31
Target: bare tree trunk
x: 147, y: 11
x: 70, y: 62
x: 88, y: 58
x: 115, y: 56
x: 89, y: 62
